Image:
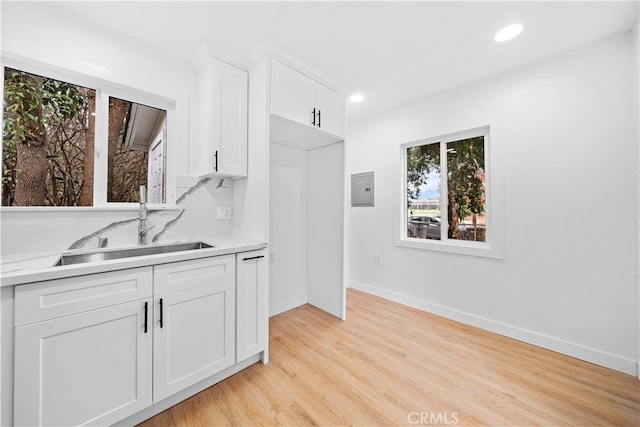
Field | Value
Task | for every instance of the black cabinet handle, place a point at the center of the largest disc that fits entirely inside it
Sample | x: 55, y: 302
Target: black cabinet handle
x: 319, y: 118
x: 253, y: 257
x: 216, y: 156
x: 313, y: 120
x: 161, y: 312
x: 146, y: 315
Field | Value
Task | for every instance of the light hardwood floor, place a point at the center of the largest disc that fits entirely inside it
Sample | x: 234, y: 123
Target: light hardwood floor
x: 389, y: 364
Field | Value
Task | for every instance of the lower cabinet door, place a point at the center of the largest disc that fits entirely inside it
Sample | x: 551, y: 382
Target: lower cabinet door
x: 194, y: 336
x: 88, y: 368
x: 252, y: 329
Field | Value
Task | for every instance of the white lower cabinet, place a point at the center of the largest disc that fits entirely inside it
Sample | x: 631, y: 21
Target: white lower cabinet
x: 252, y: 328
x: 194, y: 332
x: 89, y: 367
x: 99, y: 348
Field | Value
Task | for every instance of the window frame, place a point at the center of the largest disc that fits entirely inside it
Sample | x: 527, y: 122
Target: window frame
x: 104, y: 89
x: 491, y: 247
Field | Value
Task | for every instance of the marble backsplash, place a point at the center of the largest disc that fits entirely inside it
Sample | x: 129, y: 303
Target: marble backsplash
x: 59, y: 229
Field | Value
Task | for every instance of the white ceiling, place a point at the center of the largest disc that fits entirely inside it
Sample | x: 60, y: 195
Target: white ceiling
x: 395, y: 53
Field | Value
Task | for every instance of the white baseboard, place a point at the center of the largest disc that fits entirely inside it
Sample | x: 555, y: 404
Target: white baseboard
x: 611, y: 361
x: 286, y: 305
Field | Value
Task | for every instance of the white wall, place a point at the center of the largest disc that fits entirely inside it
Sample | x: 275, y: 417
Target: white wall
x: 306, y: 233
x: 288, y: 228
x: 325, y: 231
x: 566, y: 153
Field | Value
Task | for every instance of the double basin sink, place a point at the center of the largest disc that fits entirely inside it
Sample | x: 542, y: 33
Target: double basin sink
x: 109, y: 254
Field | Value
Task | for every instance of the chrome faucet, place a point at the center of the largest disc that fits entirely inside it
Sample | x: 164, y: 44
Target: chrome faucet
x: 142, y: 217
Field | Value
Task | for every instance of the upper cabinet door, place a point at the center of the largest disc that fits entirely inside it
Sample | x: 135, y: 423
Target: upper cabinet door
x: 228, y: 119
x: 330, y: 110
x: 292, y: 94
x: 307, y: 106
x: 220, y: 143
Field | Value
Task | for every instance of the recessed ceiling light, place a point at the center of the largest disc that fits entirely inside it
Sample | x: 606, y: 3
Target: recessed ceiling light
x: 508, y: 32
x: 356, y: 97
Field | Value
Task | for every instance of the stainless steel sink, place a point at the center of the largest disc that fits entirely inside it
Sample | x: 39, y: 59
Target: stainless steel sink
x: 107, y: 254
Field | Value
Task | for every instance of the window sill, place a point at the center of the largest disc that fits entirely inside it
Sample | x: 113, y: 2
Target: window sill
x: 460, y: 247
x: 57, y: 209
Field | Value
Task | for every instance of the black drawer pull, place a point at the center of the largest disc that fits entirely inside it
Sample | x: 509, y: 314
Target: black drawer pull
x: 146, y: 315
x: 161, y: 312
x: 253, y: 257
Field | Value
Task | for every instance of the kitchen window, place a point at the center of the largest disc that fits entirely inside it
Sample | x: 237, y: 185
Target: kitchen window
x: 445, y: 202
x: 66, y: 144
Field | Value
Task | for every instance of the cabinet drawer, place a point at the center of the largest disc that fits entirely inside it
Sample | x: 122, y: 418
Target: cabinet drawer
x: 61, y: 297
x: 190, y: 274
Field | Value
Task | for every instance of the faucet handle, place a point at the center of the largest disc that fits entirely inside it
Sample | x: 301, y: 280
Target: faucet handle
x: 102, y: 242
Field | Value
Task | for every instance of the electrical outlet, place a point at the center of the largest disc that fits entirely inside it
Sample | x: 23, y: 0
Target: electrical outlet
x: 377, y: 259
x: 224, y: 213
x: 272, y: 257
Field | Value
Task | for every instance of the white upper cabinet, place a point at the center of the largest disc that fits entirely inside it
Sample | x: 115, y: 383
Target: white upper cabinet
x: 330, y: 112
x: 300, y: 104
x: 293, y: 94
x: 221, y: 141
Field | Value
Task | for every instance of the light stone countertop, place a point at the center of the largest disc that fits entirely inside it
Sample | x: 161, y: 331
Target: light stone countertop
x: 36, y: 267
